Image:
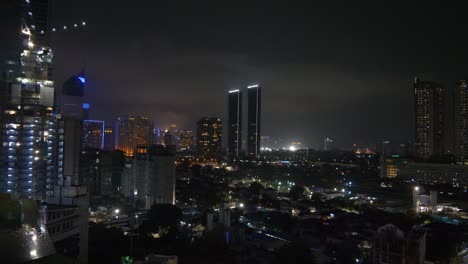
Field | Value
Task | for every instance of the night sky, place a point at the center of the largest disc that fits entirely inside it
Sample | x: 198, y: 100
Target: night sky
x: 328, y: 70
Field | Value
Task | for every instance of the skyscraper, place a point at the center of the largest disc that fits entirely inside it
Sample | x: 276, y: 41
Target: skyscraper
x: 209, y: 139
x: 109, y: 138
x: 169, y: 139
x: 71, y: 110
x: 66, y: 208
x: 327, y: 144
x: 186, y: 140
x: 26, y: 100
x: 253, y: 120
x: 15, y: 17
x: 155, y: 174
x: 133, y: 131
x: 93, y: 134
x: 461, y: 121
x: 234, y: 122
x: 429, y: 119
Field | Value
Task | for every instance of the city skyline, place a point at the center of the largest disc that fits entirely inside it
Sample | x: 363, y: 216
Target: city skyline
x: 354, y: 77
x: 258, y: 133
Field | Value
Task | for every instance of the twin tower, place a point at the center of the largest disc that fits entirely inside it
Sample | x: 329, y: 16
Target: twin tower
x: 253, y: 122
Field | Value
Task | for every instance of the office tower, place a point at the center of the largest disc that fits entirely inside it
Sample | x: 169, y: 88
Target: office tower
x: 71, y: 99
x: 254, y: 97
x: 235, y: 122
x: 26, y: 100
x: 109, y: 138
x: 133, y: 131
x: 159, y: 136
x: 169, y: 139
x: 186, y: 140
x: 103, y: 169
x: 327, y: 144
x: 65, y: 211
x: 461, y: 121
x: 429, y: 119
x: 93, y: 134
x: 209, y: 139
x: 40, y: 149
x: 90, y: 168
x: 154, y: 168
x: 21, y: 16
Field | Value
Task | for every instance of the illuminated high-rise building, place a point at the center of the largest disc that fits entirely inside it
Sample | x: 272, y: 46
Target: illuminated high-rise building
x: 461, y: 121
x: 26, y: 100
x: 154, y: 175
x: 186, y: 140
x: 254, y: 99
x: 21, y: 16
x: 70, y: 197
x: 327, y: 144
x: 133, y: 131
x: 209, y: 139
x: 93, y: 134
x: 235, y: 122
x: 429, y: 119
x: 109, y: 138
x: 40, y: 147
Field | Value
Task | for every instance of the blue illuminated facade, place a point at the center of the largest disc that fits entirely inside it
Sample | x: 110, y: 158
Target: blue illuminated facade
x: 27, y: 165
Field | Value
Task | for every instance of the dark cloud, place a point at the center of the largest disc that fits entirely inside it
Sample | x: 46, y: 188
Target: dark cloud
x: 328, y: 69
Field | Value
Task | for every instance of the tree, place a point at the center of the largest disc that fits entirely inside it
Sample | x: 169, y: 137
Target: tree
x: 294, y: 252
x: 280, y: 221
x: 443, y: 241
x: 296, y: 192
x: 255, y: 188
x: 316, y: 199
x: 162, y: 216
x: 347, y: 252
x: 107, y: 245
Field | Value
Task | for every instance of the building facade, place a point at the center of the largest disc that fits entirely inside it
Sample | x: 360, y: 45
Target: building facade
x: 104, y: 170
x: 109, y: 138
x: 26, y: 100
x: 186, y: 141
x: 392, y: 245
x: 425, y: 173
x: 209, y: 139
x: 429, y: 119
x: 93, y: 134
x: 154, y: 174
x: 234, y: 123
x: 254, y: 98
x: 461, y: 121
x: 133, y: 131
x: 327, y: 144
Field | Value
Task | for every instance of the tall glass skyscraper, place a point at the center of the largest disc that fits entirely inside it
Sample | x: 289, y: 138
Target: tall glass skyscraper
x: 429, y: 119
x: 254, y: 94
x: 234, y: 122
x: 26, y: 100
